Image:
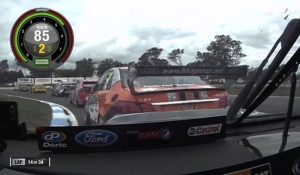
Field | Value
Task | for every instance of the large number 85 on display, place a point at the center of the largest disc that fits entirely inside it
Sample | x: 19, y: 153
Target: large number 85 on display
x: 42, y: 39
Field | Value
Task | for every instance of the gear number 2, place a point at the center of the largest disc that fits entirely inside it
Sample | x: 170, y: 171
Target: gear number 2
x: 41, y: 48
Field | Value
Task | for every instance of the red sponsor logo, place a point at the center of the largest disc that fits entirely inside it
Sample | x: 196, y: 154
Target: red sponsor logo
x: 164, y: 134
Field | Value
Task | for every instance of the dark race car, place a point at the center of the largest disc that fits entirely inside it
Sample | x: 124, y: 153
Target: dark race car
x: 22, y: 87
x: 62, y: 89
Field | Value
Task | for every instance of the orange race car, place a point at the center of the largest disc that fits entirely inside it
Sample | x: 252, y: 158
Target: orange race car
x: 150, y: 89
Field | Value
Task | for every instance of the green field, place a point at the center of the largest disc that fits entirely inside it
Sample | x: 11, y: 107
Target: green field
x: 32, y: 112
x: 281, y: 91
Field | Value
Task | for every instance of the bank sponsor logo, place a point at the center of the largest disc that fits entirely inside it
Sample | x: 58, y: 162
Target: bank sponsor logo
x: 204, y: 130
x: 96, y: 137
x: 160, y: 134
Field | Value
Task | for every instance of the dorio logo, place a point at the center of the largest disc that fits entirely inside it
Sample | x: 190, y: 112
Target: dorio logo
x: 96, y: 137
x: 53, y: 139
x: 53, y: 136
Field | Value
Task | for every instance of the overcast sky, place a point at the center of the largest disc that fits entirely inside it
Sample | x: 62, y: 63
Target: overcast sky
x: 125, y: 29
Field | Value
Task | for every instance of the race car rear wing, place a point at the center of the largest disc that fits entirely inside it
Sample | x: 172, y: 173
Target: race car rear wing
x: 135, y: 71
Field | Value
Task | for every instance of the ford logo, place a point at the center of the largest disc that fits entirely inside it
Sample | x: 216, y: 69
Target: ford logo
x: 53, y: 136
x: 96, y: 137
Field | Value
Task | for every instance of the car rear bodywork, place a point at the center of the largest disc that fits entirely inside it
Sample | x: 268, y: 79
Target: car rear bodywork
x: 162, y: 100
x: 24, y: 88
x: 79, y: 94
x: 62, y: 89
x: 38, y: 88
x: 125, y: 96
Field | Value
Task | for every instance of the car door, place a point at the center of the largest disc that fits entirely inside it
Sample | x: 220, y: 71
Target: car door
x: 58, y: 89
x: 92, y: 106
x: 55, y: 89
x: 77, y: 90
x: 73, y: 92
x: 93, y: 101
x: 104, y: 103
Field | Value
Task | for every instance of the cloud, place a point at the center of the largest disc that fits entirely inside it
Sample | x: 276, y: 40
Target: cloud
x: 126, y: 29
x: 159, y: 34
x: 258, y: 39
x: 129, y: 46
x: 105, y: 49
x: 264, y: 35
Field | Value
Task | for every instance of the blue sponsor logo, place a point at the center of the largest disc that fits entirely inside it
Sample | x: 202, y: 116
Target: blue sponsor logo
x: 53, y: 136
x: 96, y: 137
x: 165, y: 134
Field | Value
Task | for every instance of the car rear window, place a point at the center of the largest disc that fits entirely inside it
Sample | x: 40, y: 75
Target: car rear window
x: 152, y: 81
x: 87, y: 89
x: 89, y: 83
x: 67, y: 86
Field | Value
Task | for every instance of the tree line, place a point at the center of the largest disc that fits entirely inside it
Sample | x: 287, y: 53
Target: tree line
x: 8, y: 76
x: 222, y: 51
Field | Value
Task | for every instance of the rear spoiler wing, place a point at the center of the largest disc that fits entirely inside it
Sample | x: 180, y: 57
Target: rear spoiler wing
x: 135, y: 71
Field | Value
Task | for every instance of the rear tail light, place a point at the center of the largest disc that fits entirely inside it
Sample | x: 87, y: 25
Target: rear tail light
x: 224, y: 101
x: 82, y: 96
x: 228, y: 101
x: 126, y: 107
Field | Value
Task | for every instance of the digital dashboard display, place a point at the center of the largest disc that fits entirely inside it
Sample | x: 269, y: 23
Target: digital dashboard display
x: 42, y: 39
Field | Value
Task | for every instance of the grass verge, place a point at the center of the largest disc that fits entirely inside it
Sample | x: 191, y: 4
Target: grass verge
x: 33, y: 113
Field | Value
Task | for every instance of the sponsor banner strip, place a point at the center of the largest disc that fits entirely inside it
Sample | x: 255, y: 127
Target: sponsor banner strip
x: 236, y: 71
x: 133, y: 136
x: 260, y: 169
x: 135, y: 71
